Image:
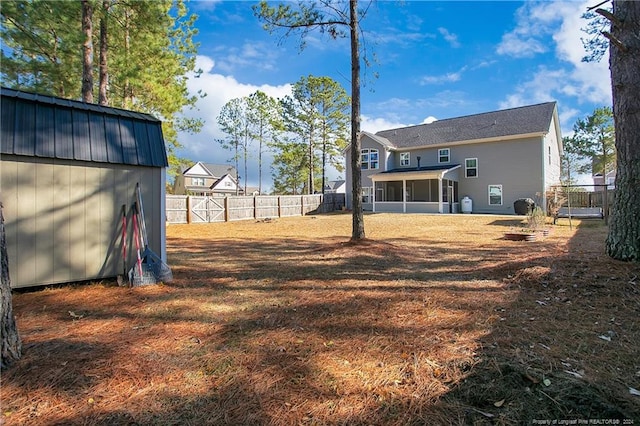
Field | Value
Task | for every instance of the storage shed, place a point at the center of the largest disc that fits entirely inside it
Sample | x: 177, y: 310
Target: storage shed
x: 66, y: 170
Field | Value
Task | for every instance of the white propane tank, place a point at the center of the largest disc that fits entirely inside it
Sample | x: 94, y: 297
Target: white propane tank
x: 467, y: 205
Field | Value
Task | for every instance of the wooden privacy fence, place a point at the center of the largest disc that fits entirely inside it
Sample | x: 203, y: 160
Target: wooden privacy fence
x: 205, y: 209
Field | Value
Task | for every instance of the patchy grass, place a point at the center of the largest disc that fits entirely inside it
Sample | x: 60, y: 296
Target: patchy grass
x: 431, y: 320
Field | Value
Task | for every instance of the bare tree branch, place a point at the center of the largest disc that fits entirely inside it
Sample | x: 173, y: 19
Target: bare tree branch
x: 615, y: 21
x: 615, y: 41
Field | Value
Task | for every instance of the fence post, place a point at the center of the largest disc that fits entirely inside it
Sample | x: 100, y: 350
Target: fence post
x: 255, y: 207
x: 279, y: 206
x: 188, y: 208
x: 226, y: 208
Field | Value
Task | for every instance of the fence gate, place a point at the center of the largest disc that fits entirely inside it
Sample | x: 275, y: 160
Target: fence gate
x: 207, y: 209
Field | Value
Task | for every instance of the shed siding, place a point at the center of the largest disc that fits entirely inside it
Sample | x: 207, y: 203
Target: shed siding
x: 63, y: 217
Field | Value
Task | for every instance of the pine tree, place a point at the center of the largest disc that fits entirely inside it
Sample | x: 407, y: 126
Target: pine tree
x: 332, y: 19
x: 265, y: 123
x: 146, y: 53
x: 234, y: 121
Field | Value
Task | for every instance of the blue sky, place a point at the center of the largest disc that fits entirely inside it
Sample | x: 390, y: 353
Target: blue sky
x: 429, y: 60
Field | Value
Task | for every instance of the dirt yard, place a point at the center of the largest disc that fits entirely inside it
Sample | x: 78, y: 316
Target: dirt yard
x: 431, y: 320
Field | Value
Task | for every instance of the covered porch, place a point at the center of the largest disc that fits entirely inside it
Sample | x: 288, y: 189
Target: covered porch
x: 431, y: 189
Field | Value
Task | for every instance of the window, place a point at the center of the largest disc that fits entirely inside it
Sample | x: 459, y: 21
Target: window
x: 369, y: 159
x: 405, y: 158
x: 471, y: 167
x: 549, y: 154
x: 197, y: 181
x: 443, y: 155
x: 366, y: 194
x: 495, y: 195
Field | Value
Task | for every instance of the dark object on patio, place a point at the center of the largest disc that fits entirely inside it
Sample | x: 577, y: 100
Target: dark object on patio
x: 523, y: 206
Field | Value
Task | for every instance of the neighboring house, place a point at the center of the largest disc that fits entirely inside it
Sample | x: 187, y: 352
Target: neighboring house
x: 494, y: 158
x: 251, y: 191
x: 610, y: 180
x: 335, y: 187
x: 67, y: 168
x: 207, y: 179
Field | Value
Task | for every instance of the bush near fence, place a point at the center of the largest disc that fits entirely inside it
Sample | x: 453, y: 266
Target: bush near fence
x: 202, y: 209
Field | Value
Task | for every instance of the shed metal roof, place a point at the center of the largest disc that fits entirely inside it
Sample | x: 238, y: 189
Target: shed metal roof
x: 45, y: 126
x: 532, y: 119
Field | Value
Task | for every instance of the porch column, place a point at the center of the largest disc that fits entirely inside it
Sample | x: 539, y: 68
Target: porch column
x: 404, y: 195
x: 440, y: 208
x: 373, y: 195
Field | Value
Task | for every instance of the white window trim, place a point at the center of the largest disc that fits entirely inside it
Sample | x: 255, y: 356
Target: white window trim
x: 408, y: 159
x: 448, y: 155
x: 367, y: 191
x: 198, y: 181
x: 489, y: 195
x: 467, y: 168
x: 367, y: 152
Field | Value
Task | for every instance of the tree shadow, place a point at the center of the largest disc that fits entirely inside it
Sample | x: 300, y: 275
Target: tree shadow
x: 323, y: 332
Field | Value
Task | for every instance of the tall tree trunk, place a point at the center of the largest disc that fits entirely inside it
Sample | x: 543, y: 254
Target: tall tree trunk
x: 87, y: 52
x: 246, y: 154
x: 310, y: 183
x: 11, y: 343
x: 127, y: 98
x: 357, y: 232
x: 324, y: 164
x: 103, y: 85
x: 623, y: 241
x: 236, y: 156
x: 260, y: 161
x: 324, y: 149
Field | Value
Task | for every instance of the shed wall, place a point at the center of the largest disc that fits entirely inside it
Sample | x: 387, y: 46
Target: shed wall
x: 64, y: 220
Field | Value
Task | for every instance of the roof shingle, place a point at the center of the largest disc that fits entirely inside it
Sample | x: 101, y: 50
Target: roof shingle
x: 509, y: 122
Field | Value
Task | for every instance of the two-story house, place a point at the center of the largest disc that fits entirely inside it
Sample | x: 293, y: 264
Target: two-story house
x: 207, y: 179
x: 493, y: 158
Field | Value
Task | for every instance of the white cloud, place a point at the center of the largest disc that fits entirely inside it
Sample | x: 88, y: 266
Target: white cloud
x: 518, y: 46
x: 429, y: 120
x: 444, y: 78
x: 585, y: 82
x: 542, y: 87
x: 451, y: 38
x: 376, y: 124
x: 257, y: 55
x: 534, y: 21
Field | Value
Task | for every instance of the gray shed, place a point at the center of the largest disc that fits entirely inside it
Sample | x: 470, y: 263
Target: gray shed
x: 66, y: 170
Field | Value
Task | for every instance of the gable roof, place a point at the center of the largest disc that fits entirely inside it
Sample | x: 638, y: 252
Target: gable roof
x: 209, y: 170
x: 49, y: 127
x: 334, y: 184
x: 219, y: 170
x: 526, y: 120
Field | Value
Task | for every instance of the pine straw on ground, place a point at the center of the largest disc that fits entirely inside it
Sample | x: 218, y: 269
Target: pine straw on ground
x: 431, y: 320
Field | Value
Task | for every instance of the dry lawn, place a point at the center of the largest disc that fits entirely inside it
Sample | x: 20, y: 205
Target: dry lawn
x: 432, y: 320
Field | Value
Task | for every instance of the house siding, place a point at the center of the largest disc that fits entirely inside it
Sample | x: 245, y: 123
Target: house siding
x: 385, y: 159
x: 518, y: 149
x: 553, y: 167
x: 515, y: 164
